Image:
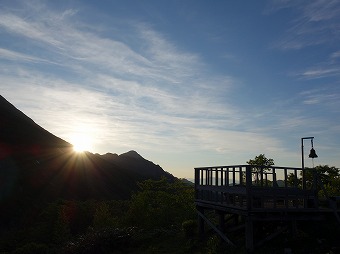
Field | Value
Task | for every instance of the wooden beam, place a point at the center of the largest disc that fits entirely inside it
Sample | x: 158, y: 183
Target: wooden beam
x: 200, y: 222
x: 219, y: 232
x: 249, y: 234
x: 272, y: 236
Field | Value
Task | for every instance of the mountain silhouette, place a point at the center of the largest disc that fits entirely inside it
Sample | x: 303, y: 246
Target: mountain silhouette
x: 38, y: 167
x: 20, y: 134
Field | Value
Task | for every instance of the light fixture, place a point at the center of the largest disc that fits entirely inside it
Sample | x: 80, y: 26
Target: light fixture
x: 312, y: 155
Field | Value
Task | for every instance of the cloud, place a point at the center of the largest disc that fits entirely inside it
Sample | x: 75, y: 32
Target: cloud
x: 16, y: 56
x: 326, y: 97
x: 321, y: 72
x: 32, y: 30
x: 335, y: 54
x: 317, y: 22
x: 329, y: 68
x: 154, y: 93
x: 151, y: 95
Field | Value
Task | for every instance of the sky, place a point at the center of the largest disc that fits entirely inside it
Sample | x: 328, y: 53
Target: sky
x: 185, y: 83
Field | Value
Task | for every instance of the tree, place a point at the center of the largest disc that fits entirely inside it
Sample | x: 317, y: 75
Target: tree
x: 260, y: 164
x: 103, y: 218
x: 328, y: 177
x: 161, y: 204
x: 261, y: 161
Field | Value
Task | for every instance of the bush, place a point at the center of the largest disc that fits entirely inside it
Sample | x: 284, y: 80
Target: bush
x: 32, y: 248
x: 189, y: 227
x: 103, y: 218
x: 161, y: 204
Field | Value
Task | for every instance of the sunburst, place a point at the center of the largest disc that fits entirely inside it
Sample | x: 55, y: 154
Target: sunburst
x: 81, y: 143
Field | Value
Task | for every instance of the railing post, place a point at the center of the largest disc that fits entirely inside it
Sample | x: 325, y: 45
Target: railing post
x: 222, y: 180
x: 197, y: 181
x: 233, y: 176
x: 227, y: 176
x: 248, y: 187
x: 241, y: 176
x: 216, y: 176
x: 207, y: 176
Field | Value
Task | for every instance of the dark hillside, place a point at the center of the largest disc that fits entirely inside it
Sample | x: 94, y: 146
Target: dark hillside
x: 137, y: 165
x: 37, y: 167
x: 20, y: 132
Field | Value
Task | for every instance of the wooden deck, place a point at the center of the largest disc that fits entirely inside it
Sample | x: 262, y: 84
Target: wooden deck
x: 253, y: 194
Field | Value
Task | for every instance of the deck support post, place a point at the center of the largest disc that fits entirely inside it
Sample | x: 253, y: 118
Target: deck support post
x: 221, y: 221
x: 249, y: 234
x: 200, y: 222
x: 294, y: 228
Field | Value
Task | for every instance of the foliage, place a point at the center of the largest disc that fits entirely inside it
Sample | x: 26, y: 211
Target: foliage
x: 160, y: 218
x: 327, y: 174
x: 32, y: 248
x: 294, y: 181
x: 260, y: 164
x: 103, y: 217
x: 261, y: 161
x: 61, y: 229
x: 332, y: 188
x: 213, y: 244
x: 189, y: 227
x: 161, y: 204
x: 101, y: 241
x: 328, y: 177
x: 61, y: 220
x: 160, y: 213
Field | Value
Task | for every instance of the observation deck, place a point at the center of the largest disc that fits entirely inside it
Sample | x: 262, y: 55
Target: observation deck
x: 246, y: 194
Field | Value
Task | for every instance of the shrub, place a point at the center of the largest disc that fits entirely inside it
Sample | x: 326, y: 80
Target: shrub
x: 32, y: 248
x: 189, y: 227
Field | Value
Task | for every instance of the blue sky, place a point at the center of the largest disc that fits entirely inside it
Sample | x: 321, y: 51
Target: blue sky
x: 184, y: 83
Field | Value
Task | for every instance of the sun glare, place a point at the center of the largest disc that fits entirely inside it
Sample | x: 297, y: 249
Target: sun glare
x: 81, y: 143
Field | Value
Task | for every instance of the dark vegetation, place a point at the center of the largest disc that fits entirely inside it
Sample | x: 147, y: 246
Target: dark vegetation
x: 151, y: 221
x: 53, y: 200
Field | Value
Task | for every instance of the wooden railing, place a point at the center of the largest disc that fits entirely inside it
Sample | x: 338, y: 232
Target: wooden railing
x: 252, y: 188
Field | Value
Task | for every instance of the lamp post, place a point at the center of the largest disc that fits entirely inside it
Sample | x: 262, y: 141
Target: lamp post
x: 312, y: 155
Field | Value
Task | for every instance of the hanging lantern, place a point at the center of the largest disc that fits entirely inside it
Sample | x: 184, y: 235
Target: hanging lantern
x: 312, y: 153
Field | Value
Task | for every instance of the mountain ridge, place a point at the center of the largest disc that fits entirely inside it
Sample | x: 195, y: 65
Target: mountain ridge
x: 12, y: 121
x: 39, y: 167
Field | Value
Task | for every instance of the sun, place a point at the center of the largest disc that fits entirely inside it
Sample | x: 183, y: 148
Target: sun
x: 81, y: 143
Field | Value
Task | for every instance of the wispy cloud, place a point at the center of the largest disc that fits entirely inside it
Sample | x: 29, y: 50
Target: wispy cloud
x: 321, y: 72
x: 316, y: 24
x: 328, y: 68
x: 16, y: 56
x: 335, y: 54
x: 329, y: 98
x: 155, y: 93
x: 139, y: 92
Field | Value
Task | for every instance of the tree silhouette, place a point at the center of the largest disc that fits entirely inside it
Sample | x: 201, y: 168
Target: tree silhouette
x: 260, y: 165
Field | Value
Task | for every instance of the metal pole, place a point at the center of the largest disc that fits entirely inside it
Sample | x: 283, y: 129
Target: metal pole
x: 302, y: 157
x: 303, y: 163
x: 303, y: 166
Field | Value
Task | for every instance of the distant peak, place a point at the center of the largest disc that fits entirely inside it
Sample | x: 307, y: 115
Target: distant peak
x: 132, y: 154
x: 109, y: 156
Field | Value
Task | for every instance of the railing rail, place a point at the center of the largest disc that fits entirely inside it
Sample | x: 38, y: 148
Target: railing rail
x: 254, y: 187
